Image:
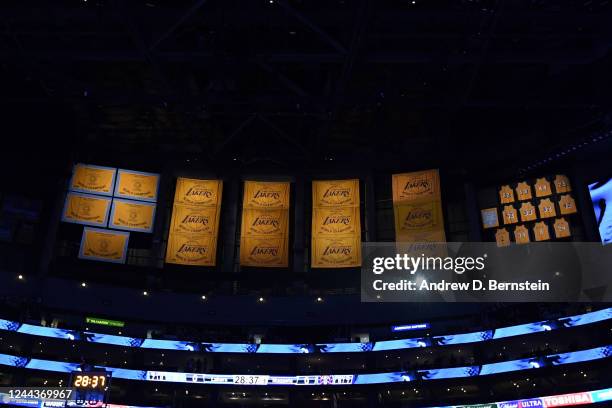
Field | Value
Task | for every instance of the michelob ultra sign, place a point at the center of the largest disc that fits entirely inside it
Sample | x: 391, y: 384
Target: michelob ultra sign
x: 336, y: 225
x: 86, y: 209
x: 417, y: 207
x: 265, y: 224
x: 132, y: 215
x: 194, y: 226
x: 88, y: 178
x: 104, y: 245
x: 137, y: 185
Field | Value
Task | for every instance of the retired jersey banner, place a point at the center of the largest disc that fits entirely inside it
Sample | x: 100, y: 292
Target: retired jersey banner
x: 86, y: 209
x: 265, y: 224
x: 417, y: 206
x: 336, y: 224
x: 104, y: 245
x: 198, y: 192
x: 194, y: 226
x: 132, y: 215
x: 88, y: 178
x: 137, y: 185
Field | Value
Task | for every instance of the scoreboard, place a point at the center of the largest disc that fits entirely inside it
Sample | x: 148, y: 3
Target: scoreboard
x: 343, y: 379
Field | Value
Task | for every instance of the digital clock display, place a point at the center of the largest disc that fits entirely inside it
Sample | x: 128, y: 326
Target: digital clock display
x: 92, y: 380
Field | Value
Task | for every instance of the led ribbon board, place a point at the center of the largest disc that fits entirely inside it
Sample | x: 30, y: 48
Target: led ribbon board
x: 333, y: 379
x: 462, y: 338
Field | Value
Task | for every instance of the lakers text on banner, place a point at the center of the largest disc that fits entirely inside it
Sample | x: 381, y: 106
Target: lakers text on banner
x: 192, y: 239
x: 264, y: 222
x: 88, y: 178
x: 269, y: 251
x: 417, y: 206
x: 336, y: 220
x: 132, y: 215
x: 137, y: 185
x: 265, y: 194
x: 192, y: 219
x: 416, y: 186
x: 104, y: 245
x: 336, y: 225
x: 265, y: 226
x: 198, y: 192
x: 191, y: 249
x: 86, y: 209
x: 336, y: 251
x: 335, y: 193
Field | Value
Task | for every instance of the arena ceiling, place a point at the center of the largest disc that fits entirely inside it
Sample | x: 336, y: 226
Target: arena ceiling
x: 424, y: 82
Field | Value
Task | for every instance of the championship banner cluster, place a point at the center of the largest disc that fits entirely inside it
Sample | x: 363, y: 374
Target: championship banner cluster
x: 417, y: 205
x: 194, y: 226
x: 264, y: 237
x: 336, y: 226
x: 104, y: 245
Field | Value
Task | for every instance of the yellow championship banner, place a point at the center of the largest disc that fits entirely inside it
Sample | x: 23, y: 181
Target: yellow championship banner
x: 417, y: 206
x: 264, y: 251
x: 192, y: 249
x: 136, y: 185
x: 336, y: 225
x: 191, y: 219
x: 337, y: 221
x: 417, y: 186
x: 335, y: 193
x: 104, y: 245
x: 194, y: 226
x: 336, y: 251
x: 410, y: 217
x: 86, y: 209
x: 93, y: 179
x: 266, y: 194
x: 198, y: 192
x: 132, y: 215
x: 265, y: 224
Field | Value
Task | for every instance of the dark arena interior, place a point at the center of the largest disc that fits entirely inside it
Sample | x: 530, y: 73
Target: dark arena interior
x: 233, y: 203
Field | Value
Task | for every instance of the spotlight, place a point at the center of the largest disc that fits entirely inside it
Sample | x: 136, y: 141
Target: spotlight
x: 203, y: 297
x: 319, y: 299
x: 83, y: 284
x: 20, y: 277
x: 145, y: 293
x: 261, y: 299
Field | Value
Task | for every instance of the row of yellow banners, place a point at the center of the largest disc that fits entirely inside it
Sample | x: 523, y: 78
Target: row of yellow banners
x: 336, y: 225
